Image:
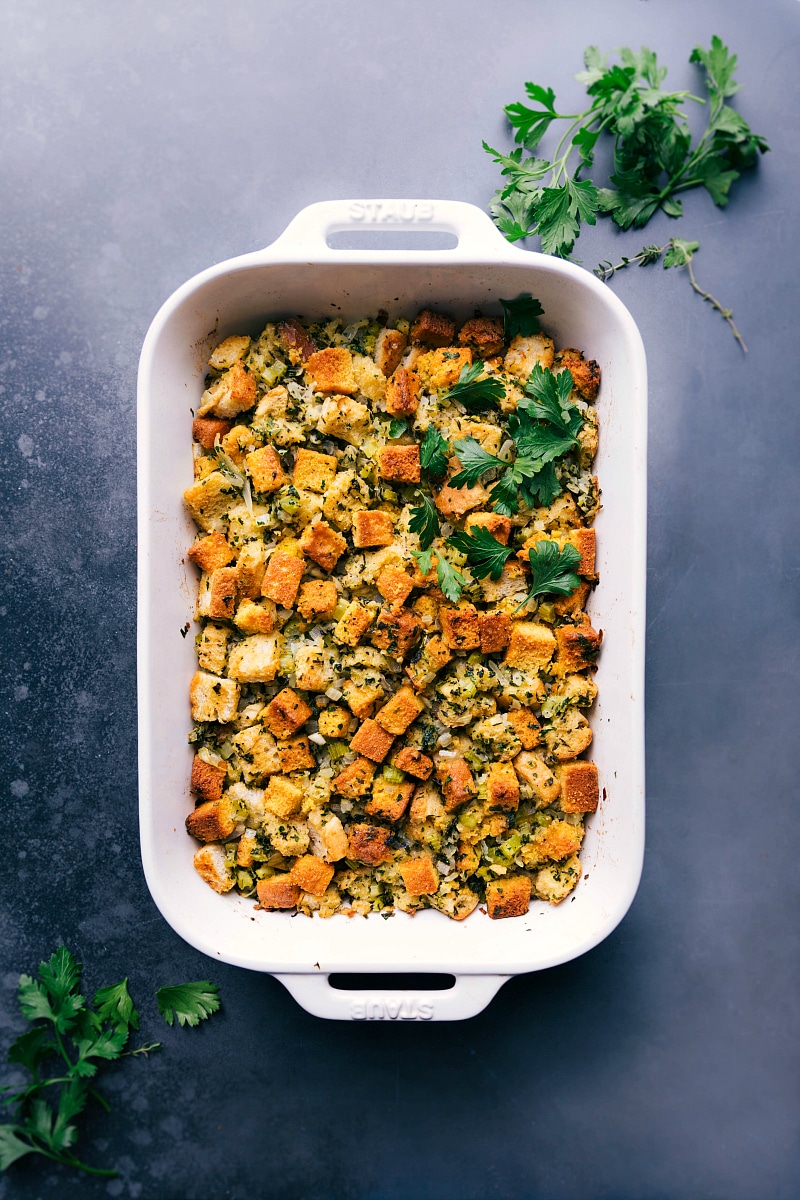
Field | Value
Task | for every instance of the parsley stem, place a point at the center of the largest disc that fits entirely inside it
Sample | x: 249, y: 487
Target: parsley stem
x: 67, y: 1160
x: 727, y: 313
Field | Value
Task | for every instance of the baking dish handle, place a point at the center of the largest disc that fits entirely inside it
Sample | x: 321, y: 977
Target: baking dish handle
x: 310, y: 229
x: 469, y: 996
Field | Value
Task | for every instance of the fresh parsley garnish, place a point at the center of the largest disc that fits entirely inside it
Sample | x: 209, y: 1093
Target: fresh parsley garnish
x: 475, y: 462
x: 486, y: 555
x: 553, y: 570
x: 69, y: 1040
x: 433, y: 452
x: 450, y: 580
x: 397, y: 427
x: 474, y: 392
x: 424, y: 521
x: 520, y: 316
x: 191, y: 1003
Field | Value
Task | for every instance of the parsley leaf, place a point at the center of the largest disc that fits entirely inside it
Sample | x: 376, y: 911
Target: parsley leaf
x: 486, y: 555
x: 191, y: 1003
x: 424, y: 521
x: 450, y: 580
x: 114, y: 1004
x: 520, y: 316
x: 397, y: 427
x: 475, y: 462
x: 433, y: 452
x: 553, y: 570
x: 473, y: 391
x: 550, y: 400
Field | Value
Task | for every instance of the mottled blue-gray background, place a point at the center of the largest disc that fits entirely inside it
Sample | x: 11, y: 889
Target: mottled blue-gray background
x: 141, y: 142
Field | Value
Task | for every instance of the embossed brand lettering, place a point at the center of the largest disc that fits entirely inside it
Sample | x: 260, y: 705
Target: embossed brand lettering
x: 382, y: 212
x: 391, y: 1010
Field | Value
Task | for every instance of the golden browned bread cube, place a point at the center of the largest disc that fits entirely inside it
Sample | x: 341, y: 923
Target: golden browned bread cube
x: 212, y: 648
x: 222, y: 593
x: 394, y: 585
x: 403, y: 708
x: 499, y: 527
x: 255, y: 618
x: 484, y: 335
x: 209, y: 499
x: 534, y: 772
x: 265, y: 469
x: 212, y: 552
x: 580, y: 788
x: 585, y: 372
x: 317, y: 599
x: 212, y: 698
x: 555, y: 841
x: 585, y: 542
x: 372, y: 528
x: 322, y: 543
x: 286, y: 713
x: 460, y: 627
x: 245, y: 848
x: 419, y: 875
x: 456, y: 781
x: 251, y: 565
x: 212, y: 866
x: 229, y: 351
x: 206, y: 430
x: 440, y: 369
x: 331, y: 370
x: 389, y: 800
x: 335, y: 722
x: 372, y: 741
x: 525, y: 352
x: 435, y: 655
x: 525, y: 726
x: 353, y: 624
x: 368, y: 843
x: 345, y: 418
x: 401, y: 463
x: 296, y: 755
x: 402, y: 393
x: 389, y: 347
x: 396, y: 631
x: 574, y: 602
x: 207, y: 780
x: 255, y: 659
x: 282, y: 796
x: 282, y: 578
x: 313, y: 471
x: 278, y: 892
x: 413, y: 762
x: 362, y: 700
x: 495, y: 631
x: 502, y: 787
x: 578, y: 646
x: 531, y: 646
x: 456, y: 502
x: 311, y: 874
x: 355, y: 779
x: 234, y: 392
x: 508, y: 897
x: 213, y: 820
x: 432, y: 329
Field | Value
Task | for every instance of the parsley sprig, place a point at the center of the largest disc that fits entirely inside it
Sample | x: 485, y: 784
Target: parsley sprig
x: 474, y: 392
x: 521, y: 316
x: 424, y: 520
x: 433, y: 452
x: 486, y: 555
x: 553, y: 570
x: 63, y: 1050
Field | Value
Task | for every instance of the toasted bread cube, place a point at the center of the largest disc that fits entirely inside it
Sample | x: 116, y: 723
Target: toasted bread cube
x: 278, y: 892
x: 484, y: 334
x: 574, y: 602
x: 355, y: 779
x: 372, y: 741
x: 207, y: 780
x: 212, y: 698
x: 257, y: 752
x: 413, y: 762
x: 255, y: 659
x: 555, y: 841
x: 251, y: 565
x: 508, y: 897
x: 578, y: 646
x: 456, y: 502
x: 495, y: 631
x: 403, y: 708
x: 440, y: 369
x: 206, y: 430
x: 282, y: 578
x: 372, y: 528
x: 265, y: 469
x: 432, y: 329
x: 286, y: 713
x: 389, y: 800
x: 502, y: 787
x: 556, y: 881
x: 245, y: 848
x: 396, y: 631
x: 222, y: 594
x: 335, y: 722
x: 499, y: 527
x: 212, y: 648
x: 468, y: 857
x: 231, y: 350
x: 212, y: 821
x: 353, y: 624
x: 296, y: 755
x: 331, y: 370
x: 211, y: 865
x: 435, y: 655
x: 389, y: 347
x: 323, y: 544
x: 460, y: 627
x: 525, y: 352
x: 368, y: 843
x: 361, y: 700
x: 212, y: 552
x: 394, y: 585
x: 328, y: 838
x: 456, y: 780
x: 311, y: 874
x: 585, y: 372
x: 580, y: 787
x: 238, y: 442
x: 317, y: 600
x: 314, y: 471
x: 490, y: 437
x: 531, y: 646
x: 343, y: 418
x: 312, y: 668
x: 233, y: 393
x: 401, y: 463
x: 282, y: 796
x: 534, y: 772
x: 525, y: 726
x: 419, y: 875
x: 255, y: 618
x: 402, y: 393
x: 203, y: 465
x: 585, y: 542
x: 297, y: 340
x: 209, y: 499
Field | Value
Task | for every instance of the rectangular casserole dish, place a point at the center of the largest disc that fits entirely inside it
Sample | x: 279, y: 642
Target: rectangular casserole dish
x: 301, y: 274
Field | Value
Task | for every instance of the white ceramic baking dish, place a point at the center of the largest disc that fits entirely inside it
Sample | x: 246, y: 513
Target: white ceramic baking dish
x: 301, y: 274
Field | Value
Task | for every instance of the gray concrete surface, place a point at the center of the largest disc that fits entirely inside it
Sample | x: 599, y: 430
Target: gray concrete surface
x: 142, y: 142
